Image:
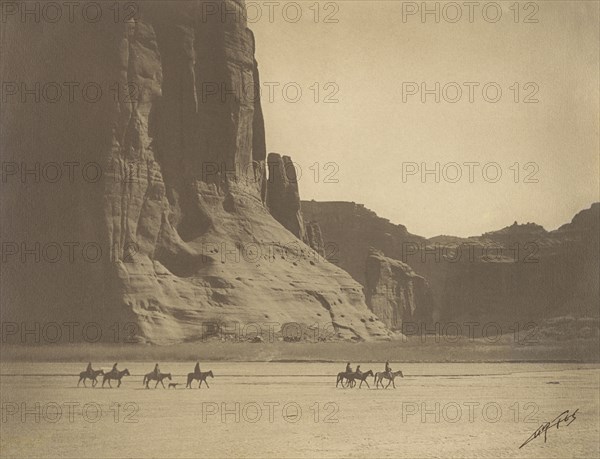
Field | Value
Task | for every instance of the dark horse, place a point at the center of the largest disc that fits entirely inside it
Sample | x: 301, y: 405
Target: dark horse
x: 93, y: 375
x: 341, y: 376
x: 352, y: 377
x: 199, y: 377
x: 114, y: 374
x: 362, y: 377
x: 159, y: 379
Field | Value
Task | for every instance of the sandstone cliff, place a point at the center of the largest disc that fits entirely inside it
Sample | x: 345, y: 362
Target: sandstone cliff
x: 351, y: 230
x: 395, y: 293
x: 179, y: 210
x: 314, y: 237
x: 520, y: 273
x: 283, y: 197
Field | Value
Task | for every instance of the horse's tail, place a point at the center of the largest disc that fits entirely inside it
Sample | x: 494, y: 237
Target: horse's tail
x: 144, y: 381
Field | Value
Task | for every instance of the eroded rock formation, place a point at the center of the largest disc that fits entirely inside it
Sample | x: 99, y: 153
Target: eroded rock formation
x: 351, y: 230
x: 179, y: 210
x: 283, y: 197
x: 314, y: 237
x: 395, y: 293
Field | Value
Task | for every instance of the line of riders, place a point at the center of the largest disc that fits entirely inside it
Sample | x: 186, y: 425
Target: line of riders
x: 154, y: 375
x: 348, y: 377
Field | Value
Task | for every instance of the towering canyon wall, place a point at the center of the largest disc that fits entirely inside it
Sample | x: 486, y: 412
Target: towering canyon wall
x: 178, y: 209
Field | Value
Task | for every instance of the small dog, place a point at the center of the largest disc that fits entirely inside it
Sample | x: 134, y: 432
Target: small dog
x: 173, y: 385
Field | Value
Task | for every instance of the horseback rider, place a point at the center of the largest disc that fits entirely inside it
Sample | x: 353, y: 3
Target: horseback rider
x: 388, y: 369
x: 114, y: 368
x: 348, y: 368
x: 358, y: 369
x: 156, y: 371
x: 89, y: 370
x: 197, y: 369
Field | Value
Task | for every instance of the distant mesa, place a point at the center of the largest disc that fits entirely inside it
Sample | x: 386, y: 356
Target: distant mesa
x: 519, y: 273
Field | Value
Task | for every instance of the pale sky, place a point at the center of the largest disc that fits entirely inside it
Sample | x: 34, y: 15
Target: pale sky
x: 370, y: 132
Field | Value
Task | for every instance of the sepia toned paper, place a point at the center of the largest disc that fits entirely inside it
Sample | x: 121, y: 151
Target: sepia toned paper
x: 299, y: 229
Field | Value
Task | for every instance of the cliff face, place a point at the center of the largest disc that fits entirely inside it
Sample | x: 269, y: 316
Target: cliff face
x: 179, y: 208
x: 351, y: 230
x: 520, y: 273
x: 369, y: 248
x: 283, y: 197
x: 314, y: 237
x: 395, y: 293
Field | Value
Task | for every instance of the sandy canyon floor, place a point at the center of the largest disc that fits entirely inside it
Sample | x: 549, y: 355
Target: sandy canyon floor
x: 295, y: 410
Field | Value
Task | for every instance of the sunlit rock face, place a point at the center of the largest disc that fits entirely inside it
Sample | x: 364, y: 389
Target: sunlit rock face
x: 180, y: 208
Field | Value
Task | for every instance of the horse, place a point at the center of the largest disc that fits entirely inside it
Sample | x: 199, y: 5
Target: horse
x: 153, y: 377
x: 351, y: 377
x: 389, y: 376
x: 114, y: 374
x: 199, y: 377
x: 362, y: 377
x: 341, y: 376
x: 85, y: 375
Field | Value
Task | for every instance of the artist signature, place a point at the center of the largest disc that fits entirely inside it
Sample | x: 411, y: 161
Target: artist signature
x: 565, y: 417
